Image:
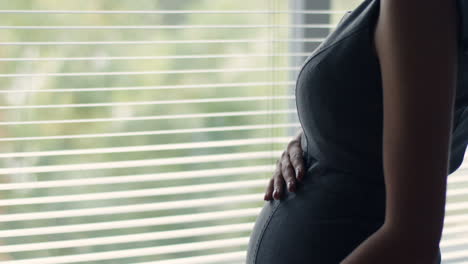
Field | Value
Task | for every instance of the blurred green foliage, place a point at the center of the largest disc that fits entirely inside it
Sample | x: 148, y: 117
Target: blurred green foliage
x: 37, y: 95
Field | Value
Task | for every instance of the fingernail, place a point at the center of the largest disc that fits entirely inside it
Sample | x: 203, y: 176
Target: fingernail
x: 275, y: 194
x: 298, y: 172
x: 292, y: 186
x: 299, y: 175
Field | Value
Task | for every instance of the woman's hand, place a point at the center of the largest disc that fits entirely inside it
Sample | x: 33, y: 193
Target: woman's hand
x: 289, y: 168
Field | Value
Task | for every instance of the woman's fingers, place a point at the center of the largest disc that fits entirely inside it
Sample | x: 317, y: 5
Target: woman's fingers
x: 278, y: 181
x: 274, y: 184
x: 269, y: 191
x: 297, y: 159
x: 287, y: 170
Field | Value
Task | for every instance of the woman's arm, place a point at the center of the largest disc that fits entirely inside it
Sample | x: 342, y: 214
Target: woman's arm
x: 416, y: 44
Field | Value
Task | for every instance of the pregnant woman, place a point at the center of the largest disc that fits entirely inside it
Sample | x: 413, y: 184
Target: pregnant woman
x: 383, y: 104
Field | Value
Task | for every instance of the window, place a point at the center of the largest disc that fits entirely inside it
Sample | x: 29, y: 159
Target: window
x: 145, y: 131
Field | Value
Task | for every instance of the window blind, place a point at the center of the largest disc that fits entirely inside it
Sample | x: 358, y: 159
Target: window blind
x: 145, y: 131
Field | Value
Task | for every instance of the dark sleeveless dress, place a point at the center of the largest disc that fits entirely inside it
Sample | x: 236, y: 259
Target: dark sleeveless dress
x: 341, y: 200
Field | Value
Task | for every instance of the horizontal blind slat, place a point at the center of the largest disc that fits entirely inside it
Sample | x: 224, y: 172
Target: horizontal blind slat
x: 455, y: 255
x: 125, y: 253
x: 160, y: 57
x: 456, y: 218
x: 158, y: 87
x: 206, y: 259
x: 141, y: 237
x: 156, y: 132
x: 158, y: 117
x: 143, y: 222
x: 459, y: 178
x: 185, y: 27
x: 159, y: 102
x: 164, y: 12
x: 80, y: 74
x: 182, y: 189
x: 455, y: 206
x: 158, y: 147
x: 457, y: 192
x: 147, y: 42
x: 455, y: 230
x: 454, y: 242
x: 151, y: 177
x: 142, y: 163
x: 123, y: 209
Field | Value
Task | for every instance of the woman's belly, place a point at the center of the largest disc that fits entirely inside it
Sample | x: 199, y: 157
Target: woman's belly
x: 322, y: 222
